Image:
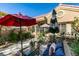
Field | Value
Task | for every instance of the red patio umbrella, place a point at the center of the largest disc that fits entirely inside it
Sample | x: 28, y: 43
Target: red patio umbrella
x: 17, y: 20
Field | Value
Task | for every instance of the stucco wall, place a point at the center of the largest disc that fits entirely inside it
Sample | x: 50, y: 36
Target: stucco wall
x: 68, y: 28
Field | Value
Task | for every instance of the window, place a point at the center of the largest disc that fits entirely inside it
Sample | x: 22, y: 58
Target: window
x: 63, y: 28
x: 60, y: 13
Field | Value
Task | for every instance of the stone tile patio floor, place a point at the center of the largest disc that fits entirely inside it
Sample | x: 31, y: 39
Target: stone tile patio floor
x: 13, y: 48
x: 16, y: 47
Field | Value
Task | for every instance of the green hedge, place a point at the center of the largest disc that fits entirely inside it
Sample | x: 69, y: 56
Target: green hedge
x: 27, y: 35
x: 13, y: 37
x: 75, y: 47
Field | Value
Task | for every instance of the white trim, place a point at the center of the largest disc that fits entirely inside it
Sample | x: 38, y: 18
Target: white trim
x: 62, y: 14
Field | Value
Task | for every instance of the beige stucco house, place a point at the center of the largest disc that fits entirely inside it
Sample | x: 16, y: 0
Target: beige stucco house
x: 65, y: 16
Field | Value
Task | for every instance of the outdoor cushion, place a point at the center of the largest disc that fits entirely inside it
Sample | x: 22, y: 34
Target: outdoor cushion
x: 59, y: 45
x: 31, y: 53
x: 46, y: 52
x: 26, y: 52
x: 59, y: 52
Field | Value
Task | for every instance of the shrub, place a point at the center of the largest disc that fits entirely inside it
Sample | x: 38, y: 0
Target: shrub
x: 75, y: 47
x: 27, y: 35
x: 41, y: 38
x: 13, y: 37
x: 3, y: 39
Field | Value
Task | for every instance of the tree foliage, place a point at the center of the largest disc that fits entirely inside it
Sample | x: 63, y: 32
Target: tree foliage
x: 75, y: 24
x: 3, y: 14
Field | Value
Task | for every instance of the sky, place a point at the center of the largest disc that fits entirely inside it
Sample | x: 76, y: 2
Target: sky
x: 29, y: 9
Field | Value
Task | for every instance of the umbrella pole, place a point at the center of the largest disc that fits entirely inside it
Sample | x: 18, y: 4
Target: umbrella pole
x: 35, y: 33
x: 21, y: 39
x: 54, y: 37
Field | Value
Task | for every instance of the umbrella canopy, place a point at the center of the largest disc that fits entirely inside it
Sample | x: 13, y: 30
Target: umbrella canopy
x: 45, y: 25
x: 15, y: 19
x: 54, y: 28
